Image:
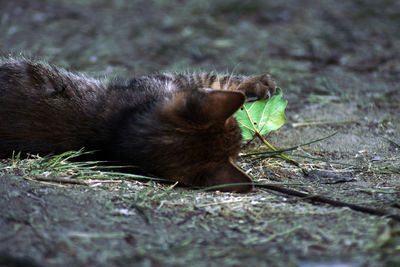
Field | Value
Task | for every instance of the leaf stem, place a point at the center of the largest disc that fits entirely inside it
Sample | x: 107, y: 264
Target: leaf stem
x: 283, y: 156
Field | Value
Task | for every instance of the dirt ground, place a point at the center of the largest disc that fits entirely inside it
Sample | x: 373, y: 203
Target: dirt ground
x: 338, y: 63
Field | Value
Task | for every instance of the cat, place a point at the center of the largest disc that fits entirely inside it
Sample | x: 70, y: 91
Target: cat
x: 175, y: 126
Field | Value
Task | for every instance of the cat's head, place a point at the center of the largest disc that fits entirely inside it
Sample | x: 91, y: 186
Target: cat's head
x: 201, y: 139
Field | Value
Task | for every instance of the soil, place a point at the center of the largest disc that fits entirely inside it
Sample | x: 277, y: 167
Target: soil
x: 338, y: 63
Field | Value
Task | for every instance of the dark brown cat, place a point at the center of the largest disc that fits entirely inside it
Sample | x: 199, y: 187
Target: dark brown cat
x: 179, y: 127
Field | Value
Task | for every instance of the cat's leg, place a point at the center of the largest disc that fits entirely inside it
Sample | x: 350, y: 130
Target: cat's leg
x: 254, y: 87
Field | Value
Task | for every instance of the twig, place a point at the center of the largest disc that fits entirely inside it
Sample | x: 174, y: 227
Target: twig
x: 321, y: 199
x: 74, y: 181
x: 392, y: 142
x: 60, y: 180
x: 269, y: 153
x: 42, y: 182
x: 103, y: 181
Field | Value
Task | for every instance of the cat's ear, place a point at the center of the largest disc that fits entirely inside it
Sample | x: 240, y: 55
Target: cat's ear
x: 229, y: 173
x: 219, y: 105
x: 203, y: 107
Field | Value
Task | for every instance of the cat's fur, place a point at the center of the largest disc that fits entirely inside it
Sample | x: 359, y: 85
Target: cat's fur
x: 179, y: 127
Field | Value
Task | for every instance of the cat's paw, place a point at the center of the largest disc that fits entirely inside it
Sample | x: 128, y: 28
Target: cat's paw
x: 259, y: 87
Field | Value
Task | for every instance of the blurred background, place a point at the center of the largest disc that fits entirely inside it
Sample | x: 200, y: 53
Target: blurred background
x: 136, y: 36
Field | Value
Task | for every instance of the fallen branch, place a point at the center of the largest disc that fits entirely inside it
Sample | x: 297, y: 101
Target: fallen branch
x: 321, y: 199
x: 74, y: 181
x: 60, y: 180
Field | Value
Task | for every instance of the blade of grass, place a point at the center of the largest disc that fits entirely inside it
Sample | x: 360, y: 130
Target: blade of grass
x: 269, y: 153
x: 380, y: 170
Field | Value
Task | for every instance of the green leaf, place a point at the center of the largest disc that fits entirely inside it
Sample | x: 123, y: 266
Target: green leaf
x: 262, y: 116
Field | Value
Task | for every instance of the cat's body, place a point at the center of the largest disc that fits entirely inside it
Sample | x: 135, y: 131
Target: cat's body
x: 178, y: 127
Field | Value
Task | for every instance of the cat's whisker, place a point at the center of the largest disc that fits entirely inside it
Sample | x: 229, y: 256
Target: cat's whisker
x: 228, y: 82
x: 219, y: 82
x: 232, y: 75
